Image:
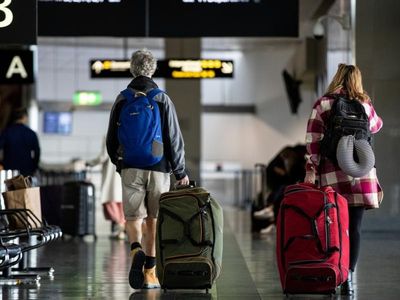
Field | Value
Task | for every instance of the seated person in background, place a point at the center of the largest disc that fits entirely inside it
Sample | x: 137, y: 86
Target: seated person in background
x: 287, y: 167
x: 19, y: 145
x: 294, y: 160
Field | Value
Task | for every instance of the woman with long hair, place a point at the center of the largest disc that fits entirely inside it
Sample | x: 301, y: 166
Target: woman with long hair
x: 361, y: 193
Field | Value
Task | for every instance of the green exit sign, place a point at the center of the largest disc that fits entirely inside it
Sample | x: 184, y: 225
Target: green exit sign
x: 87, y: 98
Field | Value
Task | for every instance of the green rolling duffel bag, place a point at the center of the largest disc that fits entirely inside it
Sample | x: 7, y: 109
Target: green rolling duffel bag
x: 189, y: 239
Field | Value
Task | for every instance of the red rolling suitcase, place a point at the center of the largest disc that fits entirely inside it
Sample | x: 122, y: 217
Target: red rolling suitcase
x: 312, y: 244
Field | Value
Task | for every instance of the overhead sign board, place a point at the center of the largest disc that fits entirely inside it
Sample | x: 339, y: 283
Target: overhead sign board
x: 16, y: 66
x: 169, y: 18
x: 223, y: 18
x: 91, y: 18
x: 18, y: 22
x: 170, y: 68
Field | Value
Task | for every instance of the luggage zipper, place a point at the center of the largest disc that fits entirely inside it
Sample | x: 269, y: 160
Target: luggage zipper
x: 300, y: 190
x: 340, y: 238
x: 306, y: 262
x: 183, y: 256
x: 213, y: 230
x: 182, y: 193
x: 178, y: 257
x: 327, y: 225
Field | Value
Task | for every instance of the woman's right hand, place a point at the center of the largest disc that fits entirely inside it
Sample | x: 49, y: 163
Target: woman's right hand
x: 310, y: 177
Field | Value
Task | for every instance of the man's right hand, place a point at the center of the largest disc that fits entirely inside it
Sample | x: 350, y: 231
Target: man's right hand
x: 183, y: 181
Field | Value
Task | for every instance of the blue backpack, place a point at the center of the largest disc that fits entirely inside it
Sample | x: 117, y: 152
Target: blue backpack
x: 139, y: 130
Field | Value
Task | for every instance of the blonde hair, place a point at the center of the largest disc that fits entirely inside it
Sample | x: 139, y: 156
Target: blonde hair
x: 348, y: 78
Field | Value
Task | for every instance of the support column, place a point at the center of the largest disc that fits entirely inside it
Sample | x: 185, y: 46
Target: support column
x: 186, y: 95
x: 378, y: 41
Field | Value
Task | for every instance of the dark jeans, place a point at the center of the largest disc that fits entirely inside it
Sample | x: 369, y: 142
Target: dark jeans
x: 355, y: 220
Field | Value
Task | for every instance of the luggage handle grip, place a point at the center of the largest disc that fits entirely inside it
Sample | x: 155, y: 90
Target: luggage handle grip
x: 169, y: 241
x: 192, y: 273
x: 191, y: 184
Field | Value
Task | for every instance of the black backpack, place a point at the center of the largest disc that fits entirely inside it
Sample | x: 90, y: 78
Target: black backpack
x: 347, y: 117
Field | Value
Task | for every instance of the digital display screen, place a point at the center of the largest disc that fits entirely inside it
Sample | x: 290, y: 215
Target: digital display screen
x: 169, y: 18
x: 57, y: 122
x: 167, y: 68
x: 91, y: 18
x: 197, y: 18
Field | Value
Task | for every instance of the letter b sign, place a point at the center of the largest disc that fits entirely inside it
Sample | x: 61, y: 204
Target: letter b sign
x: 18, y: 22
x: 8, y: 15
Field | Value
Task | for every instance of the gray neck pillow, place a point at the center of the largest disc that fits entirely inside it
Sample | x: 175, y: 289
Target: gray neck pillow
x: 345, y: 156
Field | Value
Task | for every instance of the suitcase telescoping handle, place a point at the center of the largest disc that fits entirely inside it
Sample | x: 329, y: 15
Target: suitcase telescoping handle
x: 191, y: 184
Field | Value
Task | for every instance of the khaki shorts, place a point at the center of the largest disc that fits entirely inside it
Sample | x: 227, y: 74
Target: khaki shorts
x: 141, y: 191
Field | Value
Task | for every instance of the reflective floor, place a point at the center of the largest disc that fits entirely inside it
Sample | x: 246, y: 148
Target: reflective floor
x: 98, y: 270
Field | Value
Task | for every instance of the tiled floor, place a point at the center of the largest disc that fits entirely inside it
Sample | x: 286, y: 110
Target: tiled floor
x: 98, y: 270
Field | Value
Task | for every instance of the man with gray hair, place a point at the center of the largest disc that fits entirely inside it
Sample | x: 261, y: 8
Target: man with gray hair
x: 142, y: 184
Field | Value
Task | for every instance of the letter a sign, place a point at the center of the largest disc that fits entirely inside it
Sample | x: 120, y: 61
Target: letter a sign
x: 18, y: 22
x: 16, y: 66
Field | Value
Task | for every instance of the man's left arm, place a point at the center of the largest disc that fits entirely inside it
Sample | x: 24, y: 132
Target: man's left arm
x: 112, y: 143
x: 175, y: 141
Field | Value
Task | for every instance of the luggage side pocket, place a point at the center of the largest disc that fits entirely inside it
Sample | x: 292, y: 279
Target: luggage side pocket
x: 321, y: 278
x: 194, y: 273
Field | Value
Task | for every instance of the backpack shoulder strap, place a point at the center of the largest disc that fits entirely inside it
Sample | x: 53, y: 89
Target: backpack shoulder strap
x: 127, y: 93
x: 336, y: 98
x: 154, y: 92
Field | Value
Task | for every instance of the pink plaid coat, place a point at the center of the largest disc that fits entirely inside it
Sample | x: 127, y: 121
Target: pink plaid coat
x: 364, y: 191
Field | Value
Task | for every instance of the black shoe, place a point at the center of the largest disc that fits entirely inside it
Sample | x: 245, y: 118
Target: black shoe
x: 347, y: 286
x: 136, y: 276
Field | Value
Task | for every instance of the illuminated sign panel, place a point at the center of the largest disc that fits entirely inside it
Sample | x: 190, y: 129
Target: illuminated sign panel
x: 16, y: 66
x: 91, y: 18
x: 18, y: 22
x: 87, y: 98
x: 57, y: 122
x: 171, y: 68
x: 110, y: 68
x: 195, y: 68
x: 197, y: 18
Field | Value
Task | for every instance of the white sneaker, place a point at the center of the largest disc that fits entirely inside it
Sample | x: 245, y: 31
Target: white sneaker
x: 264, y: 214
x: 268, y: 229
